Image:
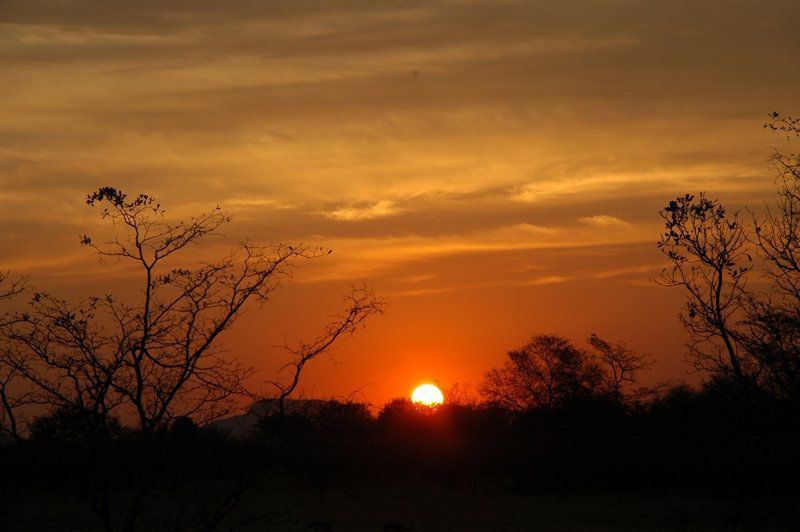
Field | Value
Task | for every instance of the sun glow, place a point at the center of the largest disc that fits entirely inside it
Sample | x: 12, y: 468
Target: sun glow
x: 427, y: 394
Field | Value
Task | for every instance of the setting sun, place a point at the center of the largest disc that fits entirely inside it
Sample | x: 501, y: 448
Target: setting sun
x: 427, y: 394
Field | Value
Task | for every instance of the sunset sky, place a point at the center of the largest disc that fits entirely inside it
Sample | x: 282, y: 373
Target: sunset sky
x: 492, y: 169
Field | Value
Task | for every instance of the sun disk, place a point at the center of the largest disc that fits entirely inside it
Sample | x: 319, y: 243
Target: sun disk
x: 427, y: 394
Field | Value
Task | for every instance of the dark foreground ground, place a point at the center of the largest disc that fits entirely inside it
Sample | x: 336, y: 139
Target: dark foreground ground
x: 430, y: 508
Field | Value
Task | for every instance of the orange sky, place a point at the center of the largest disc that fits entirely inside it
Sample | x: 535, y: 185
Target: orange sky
x: 494, y: 170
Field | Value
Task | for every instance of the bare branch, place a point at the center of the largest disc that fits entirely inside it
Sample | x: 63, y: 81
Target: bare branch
x: 361, y: 305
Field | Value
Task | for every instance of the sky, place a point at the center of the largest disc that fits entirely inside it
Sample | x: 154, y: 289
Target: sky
x: 492, y: 169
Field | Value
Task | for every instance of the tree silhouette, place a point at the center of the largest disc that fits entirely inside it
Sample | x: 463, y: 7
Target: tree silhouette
x: 707, y: 247
x: 157, y: 358
x: 550, y: 372
x: 620, y: 366
x: 547, y: 371
x: 750, y: 335
x: 773, y: 324
x: 12, y: 400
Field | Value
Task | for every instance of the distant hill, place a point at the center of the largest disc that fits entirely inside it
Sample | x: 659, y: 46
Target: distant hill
x: 241, y: 425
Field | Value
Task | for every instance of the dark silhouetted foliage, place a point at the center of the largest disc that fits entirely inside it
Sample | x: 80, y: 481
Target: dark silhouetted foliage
x: 550, y: 372
x: 742, y: 329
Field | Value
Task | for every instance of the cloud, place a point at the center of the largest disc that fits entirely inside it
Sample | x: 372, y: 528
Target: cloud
x: 627, y: 271
x: 548, y: 279
x: 484, y: 127
x: 601, y: 186
x: 602, y: 220
x: 380, y: 209
x: 366, y: 257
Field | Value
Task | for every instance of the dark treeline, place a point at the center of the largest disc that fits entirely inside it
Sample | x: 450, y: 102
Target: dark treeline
x: 701, y: 442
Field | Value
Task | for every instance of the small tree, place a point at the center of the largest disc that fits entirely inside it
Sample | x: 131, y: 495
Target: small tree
x: 547, y: 372
x: 550, y: 372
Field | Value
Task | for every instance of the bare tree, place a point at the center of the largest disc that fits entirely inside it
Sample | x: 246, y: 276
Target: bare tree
x: 156, y: 358
x: 778, y: 233
x: 159, y: 357
x: 708, y: 249
x: 750, y: 334
x: 12, y: 401
x: 620, y: 366
x: 462, y: 394
x: 773, y: 333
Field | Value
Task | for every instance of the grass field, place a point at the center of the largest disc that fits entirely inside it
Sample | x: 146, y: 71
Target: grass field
x: 430, y: 508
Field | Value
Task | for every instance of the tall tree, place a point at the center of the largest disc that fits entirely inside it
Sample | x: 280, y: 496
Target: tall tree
x: 158, y: 357
x: 774, y: 319
x: 708, y: 249
x: 749, y: 333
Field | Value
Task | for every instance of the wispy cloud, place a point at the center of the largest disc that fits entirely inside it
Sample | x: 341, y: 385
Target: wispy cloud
x: 603, y: 220
x: 380, y: 209
x: 547, y: 279
x: 651, y: 268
